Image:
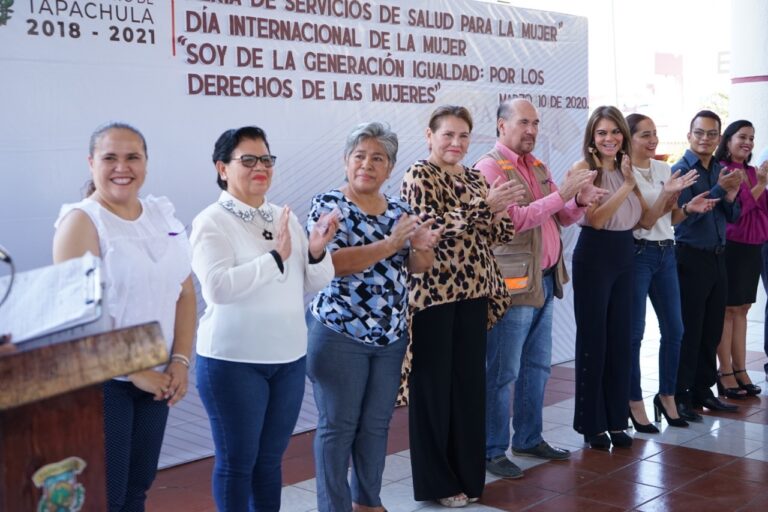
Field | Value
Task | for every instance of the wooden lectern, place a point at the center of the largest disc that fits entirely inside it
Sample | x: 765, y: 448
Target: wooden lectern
x: 51, y: 416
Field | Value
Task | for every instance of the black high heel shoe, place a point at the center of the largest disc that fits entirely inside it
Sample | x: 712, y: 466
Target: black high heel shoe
x: 659, y: 410
x: 750, y: 388
x: 641, y: 427
x: 620, y: 439
x: 732, y: 393
x: 598, y: 441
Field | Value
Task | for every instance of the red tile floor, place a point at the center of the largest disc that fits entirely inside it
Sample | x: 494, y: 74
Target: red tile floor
x: 718, y: 465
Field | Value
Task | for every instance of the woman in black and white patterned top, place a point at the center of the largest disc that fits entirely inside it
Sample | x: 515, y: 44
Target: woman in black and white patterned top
x: 357, y: 324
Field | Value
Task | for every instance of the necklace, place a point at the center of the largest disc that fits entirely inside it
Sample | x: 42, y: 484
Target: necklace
x: 264, y: 213
x: 645, y: 173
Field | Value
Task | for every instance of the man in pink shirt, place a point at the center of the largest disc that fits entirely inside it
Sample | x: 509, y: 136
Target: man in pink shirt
x: 520, y: 344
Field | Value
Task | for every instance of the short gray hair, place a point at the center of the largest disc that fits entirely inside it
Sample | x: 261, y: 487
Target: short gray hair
x: 379, y: 132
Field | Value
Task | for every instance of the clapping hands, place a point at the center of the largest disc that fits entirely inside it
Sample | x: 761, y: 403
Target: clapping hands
x: 502, y: 195
x: 730, y: 181
x: 410, y: 229
x: 627, y: 172
x: 762, y: 174
x: 323, y: 231
x: 701, y: 203
x: 676, y: 182
x: 425, y: 237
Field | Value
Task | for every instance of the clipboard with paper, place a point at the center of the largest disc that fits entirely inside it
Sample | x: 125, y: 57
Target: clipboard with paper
x: 53, y: 298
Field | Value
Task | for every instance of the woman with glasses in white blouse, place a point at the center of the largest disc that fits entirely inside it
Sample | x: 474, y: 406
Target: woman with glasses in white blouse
x: 255, y: 264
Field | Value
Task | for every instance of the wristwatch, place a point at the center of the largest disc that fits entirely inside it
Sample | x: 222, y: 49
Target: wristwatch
x: 685, y: 209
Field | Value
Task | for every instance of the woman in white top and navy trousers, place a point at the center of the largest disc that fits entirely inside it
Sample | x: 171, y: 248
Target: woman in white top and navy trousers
x: 255, y: 264
x: 146, y: 263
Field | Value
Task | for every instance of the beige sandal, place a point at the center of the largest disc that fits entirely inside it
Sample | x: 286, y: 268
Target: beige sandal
x: 458, y: 501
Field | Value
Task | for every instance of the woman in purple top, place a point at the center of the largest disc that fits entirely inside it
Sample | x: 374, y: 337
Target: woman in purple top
x: 744, y: 240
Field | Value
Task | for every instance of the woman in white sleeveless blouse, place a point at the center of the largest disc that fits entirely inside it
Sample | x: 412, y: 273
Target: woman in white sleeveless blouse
x: 146, y: 262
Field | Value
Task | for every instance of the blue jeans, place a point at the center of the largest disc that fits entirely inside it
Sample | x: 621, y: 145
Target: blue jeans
x: 253, y: 409
x: 519, y: 350
x: 355, y: 388
x: 656, y: 277
x: 134, y: 423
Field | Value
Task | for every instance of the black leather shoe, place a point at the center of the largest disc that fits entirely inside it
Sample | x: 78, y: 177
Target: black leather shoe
x: 599, y: 441
x: 543, y: 450
x: 620, y: 439
x: 715, y: 404
x: 687, y: 413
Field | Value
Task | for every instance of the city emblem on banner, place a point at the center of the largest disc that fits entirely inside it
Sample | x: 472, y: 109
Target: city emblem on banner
x: 5, y: 11
x: 58, y: 481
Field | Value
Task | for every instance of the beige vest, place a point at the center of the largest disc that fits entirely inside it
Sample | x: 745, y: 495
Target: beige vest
x: 520, y: 259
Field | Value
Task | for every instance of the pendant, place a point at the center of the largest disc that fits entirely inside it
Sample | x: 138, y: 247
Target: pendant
x: 267, y: 234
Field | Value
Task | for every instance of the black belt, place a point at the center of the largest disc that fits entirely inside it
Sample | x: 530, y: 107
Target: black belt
x: 718, y: 249
x: 655, y: 243
x: 549, y: 271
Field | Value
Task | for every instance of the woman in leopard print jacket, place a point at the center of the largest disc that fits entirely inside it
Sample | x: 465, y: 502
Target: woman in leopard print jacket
x: 452, y: 305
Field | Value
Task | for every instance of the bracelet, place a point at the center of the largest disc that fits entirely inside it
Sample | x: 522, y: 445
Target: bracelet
x: 685, y: 209
x: 180, y: 358
x: 576, y: 200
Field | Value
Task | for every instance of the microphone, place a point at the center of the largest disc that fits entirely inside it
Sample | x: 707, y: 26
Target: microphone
x: 4, y: 254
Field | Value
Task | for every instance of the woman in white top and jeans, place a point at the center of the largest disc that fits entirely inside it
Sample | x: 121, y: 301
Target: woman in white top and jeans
x: 255, y: 264
x: 656, y: 270
x: 145, y: 257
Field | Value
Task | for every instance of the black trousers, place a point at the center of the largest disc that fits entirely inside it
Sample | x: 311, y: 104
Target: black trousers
x: 447, y: 400
x: 134, y: 423
x: 603, y: 276
x: 703, y: 294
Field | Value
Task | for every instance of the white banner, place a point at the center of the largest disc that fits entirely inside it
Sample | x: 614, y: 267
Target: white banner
x: 306, y: 71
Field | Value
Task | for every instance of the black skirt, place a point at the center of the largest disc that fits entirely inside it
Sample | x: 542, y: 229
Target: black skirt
x: 743, y: 263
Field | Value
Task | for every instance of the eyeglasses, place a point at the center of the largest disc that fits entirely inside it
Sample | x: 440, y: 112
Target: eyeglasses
x: 701, y: 134
x: 250, y: 161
